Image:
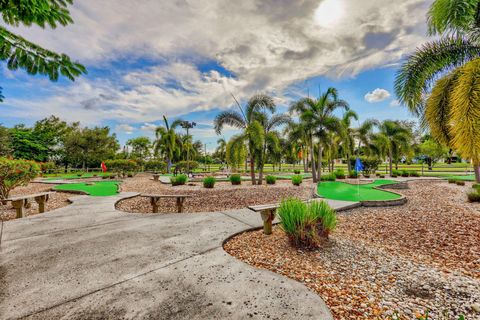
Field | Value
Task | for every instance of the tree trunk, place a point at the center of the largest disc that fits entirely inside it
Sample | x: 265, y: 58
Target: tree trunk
x: 260, y: 174
x: 476, y: 168
x: 312, y: 157
x: 252, y: 169
x: 390, y: 158
x: 304, y: 160
x: 320, y: 151
x: 349, y: 165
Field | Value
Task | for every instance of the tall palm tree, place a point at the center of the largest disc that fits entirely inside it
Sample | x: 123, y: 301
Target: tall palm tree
x: 392, y: 138
x: 347, y: 139
x: 299, y: 138
x: 317, y: 114
x: 166, y: 143
x: 253, y: 133
x: 438, y: 82
x: 364, y: 133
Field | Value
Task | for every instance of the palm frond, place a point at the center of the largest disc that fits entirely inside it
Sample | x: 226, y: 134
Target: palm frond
x: 230, y: 118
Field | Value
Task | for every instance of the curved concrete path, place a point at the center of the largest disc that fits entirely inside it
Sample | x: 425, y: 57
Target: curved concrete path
x: 89, y: 261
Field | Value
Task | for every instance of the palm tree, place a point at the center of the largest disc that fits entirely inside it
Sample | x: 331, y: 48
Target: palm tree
x: 393, y: 138
x: 347, y: 139
x: 167, y: 144
x: 364, y: 133
x: 454, y: 60
x: 253, y: 133
x: 298, y: 136
x: 319, y: 120
x: 221, y: 149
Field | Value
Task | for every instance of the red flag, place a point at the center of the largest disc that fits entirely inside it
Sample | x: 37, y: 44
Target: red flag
x: 104, y: 167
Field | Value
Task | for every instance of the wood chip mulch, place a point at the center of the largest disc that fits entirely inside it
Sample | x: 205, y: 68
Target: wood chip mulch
x: 424, y: 255
x: 224, y: 196
x: 57, y: 200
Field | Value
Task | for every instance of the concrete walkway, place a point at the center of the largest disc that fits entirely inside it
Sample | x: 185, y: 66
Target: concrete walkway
x: 89, y: 261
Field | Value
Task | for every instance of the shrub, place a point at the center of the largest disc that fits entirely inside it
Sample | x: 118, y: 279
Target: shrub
x: 179, y: 180
x: 209, y: 182
x: 105, y: 177
x: 396, y: 173
x: 452, y: 180
x: 339, y: 174
x: 47, y: 167
x: 405, y: 173
x: 353, y: 174
x: 112, y: 176
x: 14, y: 173
x: 306, y: 224
x: 476, y: 186
x: 130, y: 174
x: 328, y: 177
x: 414, y: 173
x: 296, y: 171
x: 382, y: 176
x: 271, y: 179
x: 370, y: 164
x: 121, y: 166
x: 79, y: 174
x: 474, y: 196
x: 235, y: 179
x: 297, y: 180
x: 156, y: 166
x: 181, y: 166
x: 460, y: 183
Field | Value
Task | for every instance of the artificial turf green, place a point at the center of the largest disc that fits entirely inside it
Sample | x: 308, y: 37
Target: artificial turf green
x: 75, y: 176
x: 352, y: 192
x: 97, y: 189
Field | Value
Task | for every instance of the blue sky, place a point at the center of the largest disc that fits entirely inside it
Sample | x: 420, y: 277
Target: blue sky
x: 184, y: 60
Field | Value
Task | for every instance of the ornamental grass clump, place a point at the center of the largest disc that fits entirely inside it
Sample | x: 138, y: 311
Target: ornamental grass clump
x: 452, y: 180
x: 460, y: 183
x: 236, y: 179
x: 271, y: 179
x: 328, y: 177
x: 296, y: 171
x: 474, y: 195
x: 414, y: 173
x: 339, y: 174
x: 353, y: 174
x: 179, y: 180
x: 297, y: 180
x: 306, y: 224
x: 209, y: 182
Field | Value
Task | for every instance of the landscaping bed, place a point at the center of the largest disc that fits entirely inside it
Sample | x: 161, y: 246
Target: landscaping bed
x: 224, y: 196
x: 57, y: 200
x: 423, y: 255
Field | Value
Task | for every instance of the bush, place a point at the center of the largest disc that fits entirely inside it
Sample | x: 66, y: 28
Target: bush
x: 271, y: 179
x: 235, y: 179
x: 181, y: 166
x: 476, y: 186
x: 14, y: 173
x: 381, y: 176
x: 353, y: 174
x: 297, y: 180
x: 156, y: 166
x: 328, y: 177
x: 370, y: 164
x: 452, y: 180
x: 112, y: 176
x: 414, y: 173
x: 105, y: 177
x: 405, y: 173
x: 474, y: 196
x: 121, y: 166
x: 130, y: 174
x: 339, y: 174
x: 396, y: 173
x: 47, y: 167
x: 179, y: 180
x: 296, y: 171
x: 460, y: 183
x: 306, y: 224
x: 209, y: 182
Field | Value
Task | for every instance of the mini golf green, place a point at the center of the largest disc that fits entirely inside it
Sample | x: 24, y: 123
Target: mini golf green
x: 350, y: 192
x: 95, y: 189
x: 76, y: 176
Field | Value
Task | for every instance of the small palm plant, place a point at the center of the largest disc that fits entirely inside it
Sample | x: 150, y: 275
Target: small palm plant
x: 306, y: 224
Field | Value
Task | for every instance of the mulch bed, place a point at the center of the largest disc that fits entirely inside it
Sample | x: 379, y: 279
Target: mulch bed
x: 57, y: 200
x: 424, y: 255
x: 224, y: 196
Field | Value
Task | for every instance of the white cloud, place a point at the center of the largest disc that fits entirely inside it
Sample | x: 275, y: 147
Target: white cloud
x: 124, y: 128
x: 377, y: 95
x: 148, y: 127
x: 395, y: 103
x: 267, y: 44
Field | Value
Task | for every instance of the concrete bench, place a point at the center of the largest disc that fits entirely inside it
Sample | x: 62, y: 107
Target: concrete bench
x: 155, y: 198
x: 20, y: 202
x: 156, y: 177
x: 267, y: 212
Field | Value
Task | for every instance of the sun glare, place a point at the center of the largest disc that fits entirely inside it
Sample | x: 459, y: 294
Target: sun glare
x: 329, y: 13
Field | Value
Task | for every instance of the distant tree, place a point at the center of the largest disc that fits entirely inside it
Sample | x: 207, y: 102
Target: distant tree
x: 21, y: 53
x: 27, y: 145
x: 432, y: 152
x: 51, y: 132
x: 140, y: 147
x: 220, y: 151
x: 89, y: 147
x: 167, y: 144
x: 5, y: 142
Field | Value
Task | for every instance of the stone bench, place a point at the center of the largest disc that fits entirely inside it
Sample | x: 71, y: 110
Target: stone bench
x: 20, y: 202
x: 267, y: 212
x: 156, y: 177
x: 155, y: 198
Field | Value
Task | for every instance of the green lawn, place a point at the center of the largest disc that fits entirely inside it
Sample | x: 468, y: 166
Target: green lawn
x: 348, y: 192
x: 97, y: 189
